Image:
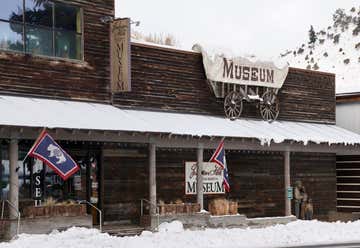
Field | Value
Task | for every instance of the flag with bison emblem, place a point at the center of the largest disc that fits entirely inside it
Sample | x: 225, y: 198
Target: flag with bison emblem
x: 50, y: 152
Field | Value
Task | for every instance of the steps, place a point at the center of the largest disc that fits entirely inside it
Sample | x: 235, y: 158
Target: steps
x: 121, y: 230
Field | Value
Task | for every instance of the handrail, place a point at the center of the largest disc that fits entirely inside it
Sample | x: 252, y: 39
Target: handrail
x: 97, y: 209
x: 150, y: 203
x: 157, y: 210
x: 17, y: 212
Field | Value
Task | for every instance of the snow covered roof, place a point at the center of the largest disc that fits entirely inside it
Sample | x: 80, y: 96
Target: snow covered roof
x: 155, y: 45
x: 35, y: 112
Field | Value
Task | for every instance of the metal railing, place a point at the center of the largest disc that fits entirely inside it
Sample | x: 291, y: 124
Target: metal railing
x: 157, y: 211
x: 96, y: 208
x: 15, y: 209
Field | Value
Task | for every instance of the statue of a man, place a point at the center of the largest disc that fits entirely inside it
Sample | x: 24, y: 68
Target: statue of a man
x: 298, y: 196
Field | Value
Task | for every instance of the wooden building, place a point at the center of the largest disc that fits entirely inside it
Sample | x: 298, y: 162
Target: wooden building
x: 347, y: 167
x: 133, y: 145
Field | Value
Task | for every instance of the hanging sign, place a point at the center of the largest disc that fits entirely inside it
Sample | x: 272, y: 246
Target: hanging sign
x: 241, y: 70
x: 290, y: 193
x: 213, y: 178
x: 120, y: 55
x: 38, y: 185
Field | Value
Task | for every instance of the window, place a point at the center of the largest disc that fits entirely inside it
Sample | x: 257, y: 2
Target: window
x: 23, y: 170
x: 41, y: 27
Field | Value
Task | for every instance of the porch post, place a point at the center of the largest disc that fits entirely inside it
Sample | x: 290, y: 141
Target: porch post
x: 14, y: 177
x: 287, y: 182
x: 152, y: 178
x: 199, y: 184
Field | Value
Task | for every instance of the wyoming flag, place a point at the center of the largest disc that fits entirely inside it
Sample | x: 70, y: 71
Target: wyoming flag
x: 48, y: 151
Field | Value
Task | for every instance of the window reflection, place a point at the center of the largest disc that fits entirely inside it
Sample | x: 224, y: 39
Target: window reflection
x: 39, y: 12
x: 39, y: 40
x: 23, y: 171
x: 68, y: 18
x: 44, y: 21
x: 11, y: 36
x: 68, y: 45
x: 4, y: 179
x: 11, y: 9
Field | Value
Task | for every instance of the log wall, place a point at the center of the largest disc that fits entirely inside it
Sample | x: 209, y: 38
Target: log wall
x: 256, y: 179
x: 162, y: 79
x: 172, y: 80
x: 29, y: 75
x: 348, y: 183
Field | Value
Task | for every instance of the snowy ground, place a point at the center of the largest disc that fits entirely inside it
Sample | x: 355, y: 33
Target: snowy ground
x: 173, y: 235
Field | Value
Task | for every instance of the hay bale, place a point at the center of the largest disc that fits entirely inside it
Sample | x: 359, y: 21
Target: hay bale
x: 170, y: 209
x: 233, y: 207
x: 219, y: 206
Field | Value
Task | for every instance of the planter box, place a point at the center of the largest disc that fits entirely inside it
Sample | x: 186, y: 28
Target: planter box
x: 55, y: 211
x: 182, y: 208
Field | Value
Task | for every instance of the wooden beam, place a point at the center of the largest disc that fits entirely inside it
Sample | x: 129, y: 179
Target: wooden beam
x: 182, y: 142
x: 14, y: 178
x: 287, y: 182
x: 152, y: 178
x: 199, y: 178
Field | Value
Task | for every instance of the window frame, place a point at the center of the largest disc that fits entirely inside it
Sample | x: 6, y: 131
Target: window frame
x: 53, y: 30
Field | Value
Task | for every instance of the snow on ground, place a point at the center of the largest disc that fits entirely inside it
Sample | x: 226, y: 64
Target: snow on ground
x: 174, y: 236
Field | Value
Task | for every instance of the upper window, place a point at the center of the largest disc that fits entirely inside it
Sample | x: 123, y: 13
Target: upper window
x: 41, y: 27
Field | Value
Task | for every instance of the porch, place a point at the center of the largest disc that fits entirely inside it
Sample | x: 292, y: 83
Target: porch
x: 142, y: 154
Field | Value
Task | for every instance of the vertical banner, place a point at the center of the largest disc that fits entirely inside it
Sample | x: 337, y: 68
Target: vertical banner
x: 120, y: 55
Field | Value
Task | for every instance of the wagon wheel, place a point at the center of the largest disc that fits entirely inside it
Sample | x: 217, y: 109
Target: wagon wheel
x: 233, y: 105
x: 269, y: 106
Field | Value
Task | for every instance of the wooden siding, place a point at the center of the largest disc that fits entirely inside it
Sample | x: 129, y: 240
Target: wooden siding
x: 317, y: 171
x: 348, y: 98
x: 348, y: 183
x: 256, y: 179
x: 172, y: 80
x: 162, y: 79
x: 58, y: 78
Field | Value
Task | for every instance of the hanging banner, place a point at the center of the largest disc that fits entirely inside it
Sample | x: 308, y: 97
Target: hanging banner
x: 120, y: 55
x: 241, y: 70
x: 213, y: 178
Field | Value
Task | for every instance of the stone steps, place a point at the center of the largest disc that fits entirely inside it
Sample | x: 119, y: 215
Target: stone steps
x: 122, y: 230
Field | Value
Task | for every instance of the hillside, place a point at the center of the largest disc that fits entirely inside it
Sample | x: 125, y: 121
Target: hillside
x: 336, y: 50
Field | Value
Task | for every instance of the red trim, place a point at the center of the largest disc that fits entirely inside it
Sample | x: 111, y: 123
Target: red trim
x: 226, y: 186
x: 37, y: 142
x: 213, y: 159
x: 216, y: 153
x: 47, y: 162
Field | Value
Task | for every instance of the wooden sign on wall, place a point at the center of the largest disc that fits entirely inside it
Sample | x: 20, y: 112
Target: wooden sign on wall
x: 120, y: 55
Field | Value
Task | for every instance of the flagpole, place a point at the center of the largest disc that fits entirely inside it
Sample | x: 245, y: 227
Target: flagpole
x: 37, y: 139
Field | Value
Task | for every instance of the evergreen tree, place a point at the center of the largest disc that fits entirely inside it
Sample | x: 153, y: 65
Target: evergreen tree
x: 312, y: 35
x: 356, y: 31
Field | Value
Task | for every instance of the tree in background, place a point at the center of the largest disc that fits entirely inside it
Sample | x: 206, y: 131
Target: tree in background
x: 341, y: 19
x: 356, y: 31
x: 312, y: 36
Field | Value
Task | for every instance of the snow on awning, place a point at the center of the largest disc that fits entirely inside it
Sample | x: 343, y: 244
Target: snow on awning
x: 35, y: 112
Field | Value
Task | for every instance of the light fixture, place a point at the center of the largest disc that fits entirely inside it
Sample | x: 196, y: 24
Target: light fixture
x: 137, y: 23
x: 106, y: 19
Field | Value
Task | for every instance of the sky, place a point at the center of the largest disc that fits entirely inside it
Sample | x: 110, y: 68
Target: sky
x: 260, y: 27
